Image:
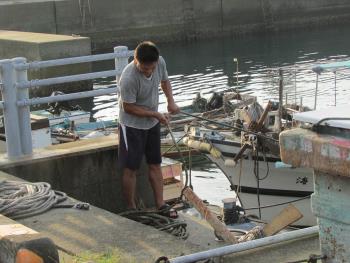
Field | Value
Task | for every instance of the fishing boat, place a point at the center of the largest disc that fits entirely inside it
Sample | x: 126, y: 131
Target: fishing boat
x: 218, y: 106
x: 263, y: 183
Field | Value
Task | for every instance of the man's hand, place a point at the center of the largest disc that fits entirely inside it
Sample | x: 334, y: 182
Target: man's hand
x: 163, y: 118
x: 173, y: 108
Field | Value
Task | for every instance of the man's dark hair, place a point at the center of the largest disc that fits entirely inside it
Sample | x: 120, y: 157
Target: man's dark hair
x: 147, y: 52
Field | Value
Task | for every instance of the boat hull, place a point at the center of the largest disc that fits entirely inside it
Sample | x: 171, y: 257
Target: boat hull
x: 276, y: 185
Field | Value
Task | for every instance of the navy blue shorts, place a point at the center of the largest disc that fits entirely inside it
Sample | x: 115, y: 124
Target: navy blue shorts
x: 135, y: 143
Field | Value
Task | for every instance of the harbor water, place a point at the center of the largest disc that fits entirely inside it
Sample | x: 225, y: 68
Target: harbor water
x: 206, y: 66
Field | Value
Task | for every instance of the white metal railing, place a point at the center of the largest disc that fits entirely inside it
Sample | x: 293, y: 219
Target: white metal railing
x: 16, y: 102
x: 73, y: 60
x: 65, y: 79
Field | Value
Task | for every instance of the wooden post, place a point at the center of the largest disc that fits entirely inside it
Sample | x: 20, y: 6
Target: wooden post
x: 218, y: 226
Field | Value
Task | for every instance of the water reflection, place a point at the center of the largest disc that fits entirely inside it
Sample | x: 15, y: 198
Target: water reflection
x: 207, y: 66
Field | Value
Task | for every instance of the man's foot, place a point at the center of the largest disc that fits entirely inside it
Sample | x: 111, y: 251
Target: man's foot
x: 166, y: 210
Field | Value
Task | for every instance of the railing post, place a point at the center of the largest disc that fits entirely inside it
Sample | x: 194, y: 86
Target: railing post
x: 121, y: 61
x: 11, y: 122
x: 24, y: 111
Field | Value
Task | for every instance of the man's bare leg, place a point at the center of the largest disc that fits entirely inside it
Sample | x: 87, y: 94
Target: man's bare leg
x: 156, y: 180
x: 129, y: 187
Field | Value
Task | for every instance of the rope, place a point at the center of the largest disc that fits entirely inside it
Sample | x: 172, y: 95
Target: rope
x: 267, y: 166
x: 238, y: 188
x: 22, y: 199
x: 162, y: 259
x: 255, y: 233
x: 174, y: 145
x: 184, y: 163
x: 162, y: 223
x: 256, y: 174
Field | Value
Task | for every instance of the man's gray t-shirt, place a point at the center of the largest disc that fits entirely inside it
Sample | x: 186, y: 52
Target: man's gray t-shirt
x: 136, y: 88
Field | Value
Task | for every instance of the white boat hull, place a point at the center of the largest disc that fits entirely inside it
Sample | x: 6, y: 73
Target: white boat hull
x: 277, y: 185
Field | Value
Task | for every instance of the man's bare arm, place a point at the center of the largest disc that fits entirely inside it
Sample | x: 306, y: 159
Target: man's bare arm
x: 166, y: 87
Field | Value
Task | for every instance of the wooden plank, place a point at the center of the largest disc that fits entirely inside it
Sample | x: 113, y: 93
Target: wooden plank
x: 212, y: 219
x: 288, y: 215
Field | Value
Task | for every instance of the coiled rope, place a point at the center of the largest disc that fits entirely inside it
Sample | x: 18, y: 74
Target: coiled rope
x: 23, y: 199
x: 162, y: 223
x: 254, y: 233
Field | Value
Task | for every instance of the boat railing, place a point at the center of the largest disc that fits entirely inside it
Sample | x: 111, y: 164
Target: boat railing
x: 15, y: 92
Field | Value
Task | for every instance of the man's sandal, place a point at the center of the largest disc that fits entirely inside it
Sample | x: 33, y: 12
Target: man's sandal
x: 168, y: 211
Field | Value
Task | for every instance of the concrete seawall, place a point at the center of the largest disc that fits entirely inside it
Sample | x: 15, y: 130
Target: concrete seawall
x: 110, y: 22
x: 86, y: 170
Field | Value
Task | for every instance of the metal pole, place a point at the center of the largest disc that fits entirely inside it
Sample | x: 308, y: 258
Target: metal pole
x: 65, y: 79
x: 23, y: 112
x: 295, y: 88
x: 69, y: 61
x: 235, y: 60
x: 121, y: 61
x: 280, y: 97
x: 237, y: 72
x: 221, y: 251
x: 70, y: 96
x: 316, y: 91
x: 301, y: 104
x: 11, y: 121
x: 335, y: 88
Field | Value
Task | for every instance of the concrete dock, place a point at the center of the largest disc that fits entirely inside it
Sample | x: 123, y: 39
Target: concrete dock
x: 97, y: 230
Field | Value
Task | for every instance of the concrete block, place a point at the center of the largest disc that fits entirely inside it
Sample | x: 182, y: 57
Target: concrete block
x: 330, y: 203
x: 329, y: 156
x: 324, y: 153
x: 39, y: 47
x: 20, y: 244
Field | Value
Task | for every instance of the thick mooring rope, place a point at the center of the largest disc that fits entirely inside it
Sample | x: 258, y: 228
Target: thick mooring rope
x: 162, y: 223
x: 23, y: 199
